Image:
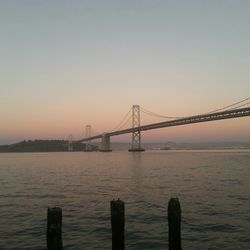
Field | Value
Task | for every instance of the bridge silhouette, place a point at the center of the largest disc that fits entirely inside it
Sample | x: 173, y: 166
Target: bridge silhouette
x: 229, y: 112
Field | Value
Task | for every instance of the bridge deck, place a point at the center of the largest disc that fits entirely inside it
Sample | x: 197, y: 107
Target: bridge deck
x: 229, y: 114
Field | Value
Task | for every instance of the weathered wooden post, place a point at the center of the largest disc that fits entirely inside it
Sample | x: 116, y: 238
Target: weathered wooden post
x: 174, y: 224
x: 117, y: 224
x: 54, y: 229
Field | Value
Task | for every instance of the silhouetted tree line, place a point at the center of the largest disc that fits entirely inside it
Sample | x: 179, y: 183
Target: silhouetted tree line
x: 43, y: 146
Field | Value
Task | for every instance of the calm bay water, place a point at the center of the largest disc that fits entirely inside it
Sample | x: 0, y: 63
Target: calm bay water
x: 213, y: 188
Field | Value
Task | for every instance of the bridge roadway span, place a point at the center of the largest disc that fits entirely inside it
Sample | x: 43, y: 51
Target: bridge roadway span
x: 182, y: 121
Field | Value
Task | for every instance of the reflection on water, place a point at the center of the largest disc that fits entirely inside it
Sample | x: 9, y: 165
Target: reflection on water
x: 213, y: 188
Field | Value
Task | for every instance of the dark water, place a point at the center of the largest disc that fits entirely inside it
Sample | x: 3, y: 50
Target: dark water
x: 213, y: 188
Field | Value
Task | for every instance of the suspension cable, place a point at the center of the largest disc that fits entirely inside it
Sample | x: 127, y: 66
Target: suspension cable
x: 125, y: 123
x: 233, y: 106
x: 242, y: 105
x: 158, y: 115
x: 128, y: 116
x: 229, y: 106
x: 122, y: 121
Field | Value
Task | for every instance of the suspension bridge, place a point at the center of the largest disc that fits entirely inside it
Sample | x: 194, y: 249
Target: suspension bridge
x: 234, y: 110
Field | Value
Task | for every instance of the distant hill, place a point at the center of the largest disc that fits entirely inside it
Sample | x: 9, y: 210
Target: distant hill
x: 43, y: 146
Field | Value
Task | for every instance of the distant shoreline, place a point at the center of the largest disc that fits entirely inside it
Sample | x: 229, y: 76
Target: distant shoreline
x: 43, y: 146
x: 63, y: 146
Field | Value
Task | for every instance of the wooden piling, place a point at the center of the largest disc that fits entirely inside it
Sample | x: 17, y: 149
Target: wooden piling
x: 174, y: 224
x: 117, y: 224
x: 54, y: 229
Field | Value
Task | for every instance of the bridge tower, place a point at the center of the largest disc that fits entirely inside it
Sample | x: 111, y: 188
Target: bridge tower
x: 136, y: 134
x: 88, y: 147
x: 105, y: 144
x: 70, y: 143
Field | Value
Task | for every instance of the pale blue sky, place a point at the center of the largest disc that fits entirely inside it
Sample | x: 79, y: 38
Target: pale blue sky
x: 65, y: 64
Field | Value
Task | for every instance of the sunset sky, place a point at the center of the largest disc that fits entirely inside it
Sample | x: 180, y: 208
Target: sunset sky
x: 66, y: 64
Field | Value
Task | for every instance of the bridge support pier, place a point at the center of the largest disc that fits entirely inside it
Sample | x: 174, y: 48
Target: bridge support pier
x: 70, y: 143
x: 88, y: 146
x: 105, y: 144
x: 136, y: 134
